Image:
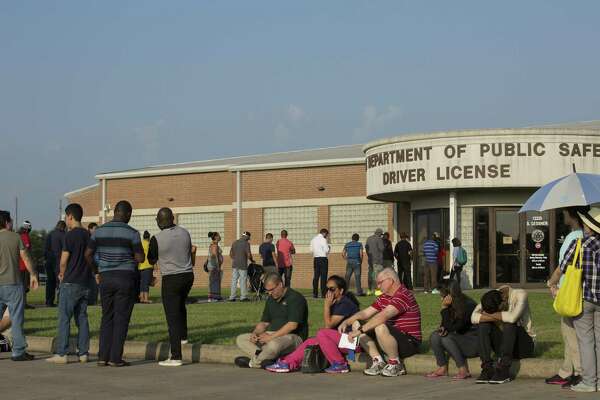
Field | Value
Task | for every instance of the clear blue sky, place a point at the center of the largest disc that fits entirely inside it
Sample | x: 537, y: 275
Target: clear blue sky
x: 91, y: 86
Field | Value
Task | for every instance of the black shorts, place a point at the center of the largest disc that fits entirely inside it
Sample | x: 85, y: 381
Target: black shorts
x: 407, y: 345
x: 146, y: 276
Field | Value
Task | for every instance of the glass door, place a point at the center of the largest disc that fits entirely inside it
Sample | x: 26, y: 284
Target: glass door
x: 426, y: 222
x: 508, y: 246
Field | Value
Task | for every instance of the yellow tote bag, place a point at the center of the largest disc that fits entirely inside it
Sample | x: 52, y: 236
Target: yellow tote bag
x: 569, y: 300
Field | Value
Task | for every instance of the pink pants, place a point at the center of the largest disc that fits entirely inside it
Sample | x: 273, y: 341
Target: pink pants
x: 328, y: 340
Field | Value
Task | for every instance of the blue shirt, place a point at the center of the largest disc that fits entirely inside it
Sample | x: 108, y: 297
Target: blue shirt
x: 353, y: 250
x: 114, y: 244
x: 431, y: 248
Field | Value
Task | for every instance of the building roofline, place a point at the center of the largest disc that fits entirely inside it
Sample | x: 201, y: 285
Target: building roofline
x: 81, y: 190
x: 481, y: 133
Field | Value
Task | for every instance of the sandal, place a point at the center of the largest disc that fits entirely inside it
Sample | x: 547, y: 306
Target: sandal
x: 434, y: 375
x: 460, y: 376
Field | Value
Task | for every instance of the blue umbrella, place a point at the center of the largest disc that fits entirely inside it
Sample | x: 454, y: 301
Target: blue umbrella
x: 572, y: 190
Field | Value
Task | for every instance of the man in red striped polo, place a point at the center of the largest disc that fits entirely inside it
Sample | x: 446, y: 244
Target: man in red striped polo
x: 393, y: 324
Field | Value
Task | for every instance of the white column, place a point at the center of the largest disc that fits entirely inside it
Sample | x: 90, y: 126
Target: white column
x: 453, y: 215
x: 238, y: 216
x: 103, y: 211
x: 395, y: 222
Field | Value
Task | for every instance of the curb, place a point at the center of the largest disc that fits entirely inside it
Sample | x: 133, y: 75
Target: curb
x: 225, y: 354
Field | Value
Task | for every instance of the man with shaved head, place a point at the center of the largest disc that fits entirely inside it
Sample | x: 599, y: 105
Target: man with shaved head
x: 171, y: 248
x: 393, y: 324
x: 282, y: 328
x: 114, y: 252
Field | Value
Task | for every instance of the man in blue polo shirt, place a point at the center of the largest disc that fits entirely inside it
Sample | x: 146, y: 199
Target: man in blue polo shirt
x: 118, y: 250
x: 353, y: 254
x: 431, y: 249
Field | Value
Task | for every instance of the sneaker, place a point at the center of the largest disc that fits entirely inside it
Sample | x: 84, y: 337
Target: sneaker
x: 338, y: 368
x: 278, y: 367
x: 573, y: 380
x: 171, y: 363
x: 435, y: 291
x: 369, y: 293
x: 232, y: 299
x: 375, y: 369
x: 393, y: 370
x: 583, y: 388
x: 119, y: 364
x: 501, y: 375
x: 58, y: 359
x: 184, y: 341
x: 486, y: 374
x: 378, y: 292
x: 101, y: 363
x: 557, y: 380
x: 425, y: 292
x: 244, y: 300
x: 83, y: 359
x: 242, y: 362
x: 23, y: 357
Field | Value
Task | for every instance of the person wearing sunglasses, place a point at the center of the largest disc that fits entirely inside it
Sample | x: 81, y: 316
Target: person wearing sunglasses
x: 456, y: 337
x: 339, y: 304
x: 282, y: 328
x: 393, y: 324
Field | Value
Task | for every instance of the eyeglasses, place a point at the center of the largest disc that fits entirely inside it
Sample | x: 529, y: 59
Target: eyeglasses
x: 381, y: 281
x: 331, y: 288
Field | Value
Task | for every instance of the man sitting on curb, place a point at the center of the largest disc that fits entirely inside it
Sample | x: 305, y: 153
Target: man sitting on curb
x: 283, y: 326
x: 394, y: 325
x: 505, y: 326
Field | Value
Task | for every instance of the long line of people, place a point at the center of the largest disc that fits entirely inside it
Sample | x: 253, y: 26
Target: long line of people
x: 389, y: 330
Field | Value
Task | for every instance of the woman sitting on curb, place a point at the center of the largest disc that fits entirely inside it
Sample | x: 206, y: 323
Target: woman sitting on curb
x: 338, y: 305
x: 456, y: 336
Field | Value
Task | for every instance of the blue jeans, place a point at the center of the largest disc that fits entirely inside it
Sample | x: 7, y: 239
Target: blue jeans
x: 242, y: 276
x: 13, y: 297
x: 73, y: 302
x: 354, y: 267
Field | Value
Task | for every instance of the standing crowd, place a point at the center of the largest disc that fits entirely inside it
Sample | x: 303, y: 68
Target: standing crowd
x: 114, y: 260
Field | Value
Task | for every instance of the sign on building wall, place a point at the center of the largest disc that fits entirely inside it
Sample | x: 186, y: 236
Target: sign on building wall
x: 522, y: 159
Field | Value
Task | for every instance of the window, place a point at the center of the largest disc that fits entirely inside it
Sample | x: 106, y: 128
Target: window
x: 144, y: 223
x: 300, y: 222
x: 357, y: 218
x: 200, y: 224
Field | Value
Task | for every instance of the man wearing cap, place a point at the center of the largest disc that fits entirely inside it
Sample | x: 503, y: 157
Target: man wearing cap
x: 374, y: 248
x: 240, y: 254
x: 587, y: 324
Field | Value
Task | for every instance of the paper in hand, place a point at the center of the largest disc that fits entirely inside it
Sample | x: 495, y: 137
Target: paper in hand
x: 346, y: 343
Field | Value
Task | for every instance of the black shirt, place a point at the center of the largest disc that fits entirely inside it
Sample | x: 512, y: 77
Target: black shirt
x: 459, y: 323
x: 76, y: 241
x: 266, y: 252
x: 388, y: 252
x: 402, y: 251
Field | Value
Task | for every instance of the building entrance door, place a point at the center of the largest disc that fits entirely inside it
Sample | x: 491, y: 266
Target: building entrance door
x: 426, y: 222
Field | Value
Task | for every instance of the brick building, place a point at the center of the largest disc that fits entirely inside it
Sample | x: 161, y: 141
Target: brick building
x: 466, y: 184
x: 300, y: 191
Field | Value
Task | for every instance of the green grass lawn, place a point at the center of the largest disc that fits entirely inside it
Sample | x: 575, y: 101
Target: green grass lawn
x: 220, y: 323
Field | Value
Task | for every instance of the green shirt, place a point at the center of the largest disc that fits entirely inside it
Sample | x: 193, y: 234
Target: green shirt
x: 10, y: 252
x: 291, y: 307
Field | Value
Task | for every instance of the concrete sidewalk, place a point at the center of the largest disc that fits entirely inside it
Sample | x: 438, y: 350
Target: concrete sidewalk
x: 147, y: 381
x: 224, y: 354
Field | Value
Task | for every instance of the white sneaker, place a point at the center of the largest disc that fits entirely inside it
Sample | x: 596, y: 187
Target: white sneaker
x: 435, y: 291
x: 184, y: 341
x: 583, y: 388
x: 375, y: 369
x: 57, y: 359
x: 83, y: 359
x: 394, y: 370
x: 171, y: 363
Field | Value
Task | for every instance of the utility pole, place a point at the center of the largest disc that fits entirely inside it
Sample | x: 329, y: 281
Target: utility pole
x: 16, y: 221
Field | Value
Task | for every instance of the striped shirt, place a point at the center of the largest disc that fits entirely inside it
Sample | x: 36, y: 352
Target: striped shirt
x: 408, y: 319
x: 114, y: 245
x: 431, y: 248
x: 590, y: 262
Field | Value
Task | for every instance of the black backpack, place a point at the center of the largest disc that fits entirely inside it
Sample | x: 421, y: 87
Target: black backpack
x: 313, y: 361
